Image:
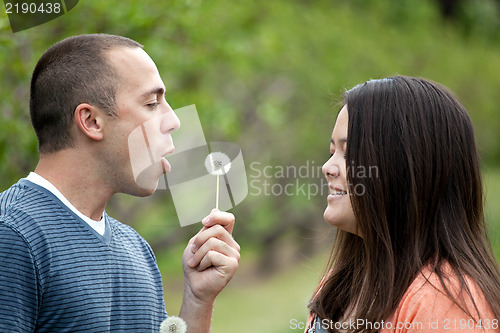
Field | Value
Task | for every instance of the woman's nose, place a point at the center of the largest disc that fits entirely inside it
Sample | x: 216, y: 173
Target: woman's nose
x: 330, y: 169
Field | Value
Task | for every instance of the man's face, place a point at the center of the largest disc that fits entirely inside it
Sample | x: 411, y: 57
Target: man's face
x: 141, y: 131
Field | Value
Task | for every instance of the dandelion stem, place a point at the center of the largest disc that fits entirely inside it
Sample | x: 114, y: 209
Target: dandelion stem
x: 217, y: 194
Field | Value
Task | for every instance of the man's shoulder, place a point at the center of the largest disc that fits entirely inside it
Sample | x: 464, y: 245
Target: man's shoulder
x: 11, y: 197
x: 19, y: 199
x: 23, y: 203
x: 21, y: 236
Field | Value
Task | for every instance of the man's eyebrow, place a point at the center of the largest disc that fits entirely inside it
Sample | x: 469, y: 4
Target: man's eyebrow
x: 155, y: 91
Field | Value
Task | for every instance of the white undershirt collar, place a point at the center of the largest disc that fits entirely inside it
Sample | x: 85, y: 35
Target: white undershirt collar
x: 35, y: 178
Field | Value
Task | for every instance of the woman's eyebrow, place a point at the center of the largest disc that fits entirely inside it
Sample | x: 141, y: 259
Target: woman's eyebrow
x: 341, y: 141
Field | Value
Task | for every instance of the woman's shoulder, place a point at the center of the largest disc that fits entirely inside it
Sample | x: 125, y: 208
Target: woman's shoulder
x: 429, y: 285
x: 427, y: 307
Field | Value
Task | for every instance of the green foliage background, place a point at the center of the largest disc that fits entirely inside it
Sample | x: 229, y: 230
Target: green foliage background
x: 266, y: 75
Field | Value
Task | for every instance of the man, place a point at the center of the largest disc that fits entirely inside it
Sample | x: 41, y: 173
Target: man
x: 66, y: 266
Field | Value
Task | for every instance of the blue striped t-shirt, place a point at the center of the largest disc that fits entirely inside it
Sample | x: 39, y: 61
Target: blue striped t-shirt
x: 57, y: 274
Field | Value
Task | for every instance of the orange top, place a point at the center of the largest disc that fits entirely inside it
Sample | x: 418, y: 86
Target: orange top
x: 425, y: 308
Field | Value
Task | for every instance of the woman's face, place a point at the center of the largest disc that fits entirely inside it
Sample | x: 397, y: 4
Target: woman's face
x: 339, y: 211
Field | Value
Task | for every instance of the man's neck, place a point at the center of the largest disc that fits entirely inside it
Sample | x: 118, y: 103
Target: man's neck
x: 77, y: 180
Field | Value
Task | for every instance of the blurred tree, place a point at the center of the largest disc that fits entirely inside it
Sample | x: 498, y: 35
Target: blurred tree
x: 266, y: 75
x: 449, y: 8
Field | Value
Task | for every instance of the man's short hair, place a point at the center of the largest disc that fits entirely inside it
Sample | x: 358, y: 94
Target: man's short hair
x: 72, y: 71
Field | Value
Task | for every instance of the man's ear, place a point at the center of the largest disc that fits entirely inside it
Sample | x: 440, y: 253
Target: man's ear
x: 90, y: 121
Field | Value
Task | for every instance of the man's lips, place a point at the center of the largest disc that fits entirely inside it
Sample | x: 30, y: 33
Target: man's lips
x: 164, y: 163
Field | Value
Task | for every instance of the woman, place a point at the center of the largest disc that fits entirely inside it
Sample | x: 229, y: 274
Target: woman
x: 411, y: 253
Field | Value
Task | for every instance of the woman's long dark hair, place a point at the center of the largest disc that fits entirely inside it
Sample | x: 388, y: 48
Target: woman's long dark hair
x: 424, y: 205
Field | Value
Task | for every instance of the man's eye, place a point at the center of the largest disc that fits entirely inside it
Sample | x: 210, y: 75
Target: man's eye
x: 152, y: 105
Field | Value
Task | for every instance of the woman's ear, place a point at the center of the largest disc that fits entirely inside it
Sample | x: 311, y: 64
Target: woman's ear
x: 90, y: 120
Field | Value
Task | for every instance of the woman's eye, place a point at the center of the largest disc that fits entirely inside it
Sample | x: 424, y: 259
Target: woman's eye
x: 331, y: 154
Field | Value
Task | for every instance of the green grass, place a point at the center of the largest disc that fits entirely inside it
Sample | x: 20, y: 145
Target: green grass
x: 269, y: 306
x: 249, y: 304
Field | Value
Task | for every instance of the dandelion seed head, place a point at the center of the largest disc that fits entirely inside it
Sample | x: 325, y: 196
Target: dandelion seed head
x: 173, y: 325
x: 217, y: 163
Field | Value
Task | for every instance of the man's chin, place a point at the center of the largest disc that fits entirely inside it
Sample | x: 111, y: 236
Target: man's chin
x: 144, y: 192
x: 147, y: 183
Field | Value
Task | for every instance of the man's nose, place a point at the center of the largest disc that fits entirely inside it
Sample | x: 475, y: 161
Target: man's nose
x: 170, y: 121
